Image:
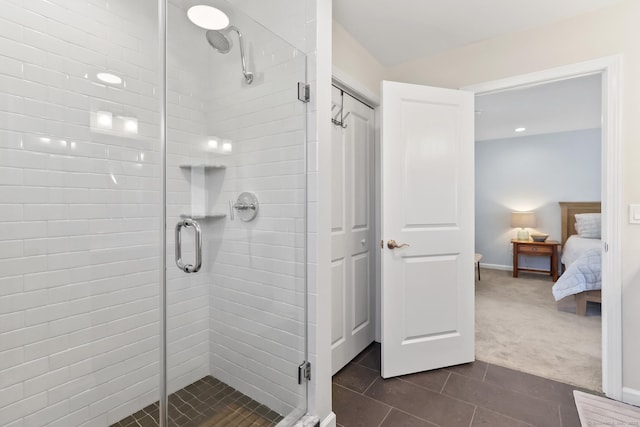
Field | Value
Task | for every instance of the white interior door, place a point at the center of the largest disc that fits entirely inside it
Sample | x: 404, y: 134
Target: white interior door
x: 353, y: 296
x: 428, y: 204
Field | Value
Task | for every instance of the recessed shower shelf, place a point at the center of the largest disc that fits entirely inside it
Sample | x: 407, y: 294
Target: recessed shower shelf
x: 213, y: 215
x: 206, y: 167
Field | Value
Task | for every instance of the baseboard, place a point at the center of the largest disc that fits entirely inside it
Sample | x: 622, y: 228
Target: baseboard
x: 496, y: 266
x: 631, y: 396
x: 329, y: 421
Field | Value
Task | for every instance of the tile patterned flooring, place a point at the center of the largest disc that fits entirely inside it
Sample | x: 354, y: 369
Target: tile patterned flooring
x: 206, y: 403
x: 471, y: 395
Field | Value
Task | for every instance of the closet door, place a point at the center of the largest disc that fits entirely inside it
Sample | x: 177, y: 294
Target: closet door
x: 353, y: 250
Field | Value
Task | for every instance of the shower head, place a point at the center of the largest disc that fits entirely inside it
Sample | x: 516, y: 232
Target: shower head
x: 220, y: 41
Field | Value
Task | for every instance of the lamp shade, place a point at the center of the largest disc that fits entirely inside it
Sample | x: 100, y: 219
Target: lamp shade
x: 523, y: 219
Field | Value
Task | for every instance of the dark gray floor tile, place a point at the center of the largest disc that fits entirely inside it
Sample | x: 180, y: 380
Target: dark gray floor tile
x: 486, y: 418
x: 433, y: 380
x: 400, y: 419
x: 373, y: 346
x: 531, y: 385
x: 372, y: 358
x: 510, y: 403
x: 505, y: 397
x: 355, y: 377
x: 425, y: 404
x: 475, y: 370
x: 355, y: 410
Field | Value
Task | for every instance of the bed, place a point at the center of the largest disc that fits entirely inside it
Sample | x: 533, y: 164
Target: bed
x: 581, y: 259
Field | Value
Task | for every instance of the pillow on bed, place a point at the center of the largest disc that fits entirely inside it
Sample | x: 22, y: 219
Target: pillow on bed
x: 588, y: 225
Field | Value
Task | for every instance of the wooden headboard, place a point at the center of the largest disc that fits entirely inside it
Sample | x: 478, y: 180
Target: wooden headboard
x: 567, y: 214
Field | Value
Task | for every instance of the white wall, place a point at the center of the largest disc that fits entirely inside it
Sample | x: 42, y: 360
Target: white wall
x: 319, y: 212
x: 79, y: 257
x: 531, y: 173
x: 353, y: 62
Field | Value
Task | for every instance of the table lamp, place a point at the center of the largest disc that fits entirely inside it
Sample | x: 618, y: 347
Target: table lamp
x: 523, y: 220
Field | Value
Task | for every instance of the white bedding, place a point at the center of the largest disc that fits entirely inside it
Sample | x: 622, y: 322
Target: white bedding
x: 583, y: 274
x: 576, y: 246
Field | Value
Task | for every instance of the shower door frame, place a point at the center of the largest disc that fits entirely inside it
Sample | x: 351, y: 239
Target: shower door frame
x: 163, y: 398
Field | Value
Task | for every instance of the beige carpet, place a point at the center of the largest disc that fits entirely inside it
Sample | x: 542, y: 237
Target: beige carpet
x: 520, y: 326
x: 599, y: 411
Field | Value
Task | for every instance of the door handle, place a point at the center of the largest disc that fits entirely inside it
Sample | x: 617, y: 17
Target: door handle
x: 392, y: 244
x: 188, y: 268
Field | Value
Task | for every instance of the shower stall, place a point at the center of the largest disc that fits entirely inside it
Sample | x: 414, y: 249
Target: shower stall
x: 152, y: 216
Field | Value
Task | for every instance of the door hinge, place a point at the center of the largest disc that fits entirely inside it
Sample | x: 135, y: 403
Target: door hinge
x: 304, y: 372
x: 304, y: 92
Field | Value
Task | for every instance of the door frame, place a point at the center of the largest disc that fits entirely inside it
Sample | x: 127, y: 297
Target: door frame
x: 610, y: 70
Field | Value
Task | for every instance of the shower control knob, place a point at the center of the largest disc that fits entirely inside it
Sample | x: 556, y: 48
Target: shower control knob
x: 246, y: 206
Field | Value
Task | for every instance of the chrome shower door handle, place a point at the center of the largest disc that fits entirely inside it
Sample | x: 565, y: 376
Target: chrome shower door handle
x: 188, y: 268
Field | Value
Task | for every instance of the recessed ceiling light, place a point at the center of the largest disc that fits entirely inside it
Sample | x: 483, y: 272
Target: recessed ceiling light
x: 520, y: 129
x: 109, y: 78
x: 208, y: 17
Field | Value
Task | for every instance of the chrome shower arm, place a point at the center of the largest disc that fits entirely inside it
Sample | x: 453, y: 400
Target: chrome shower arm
x: 247, y: 74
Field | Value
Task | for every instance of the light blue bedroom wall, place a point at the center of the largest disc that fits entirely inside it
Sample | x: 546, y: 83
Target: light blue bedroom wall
x: 531, y: 173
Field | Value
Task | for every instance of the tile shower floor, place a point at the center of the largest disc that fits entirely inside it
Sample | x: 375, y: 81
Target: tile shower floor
x: 471, y: 395
x: 206, y: 403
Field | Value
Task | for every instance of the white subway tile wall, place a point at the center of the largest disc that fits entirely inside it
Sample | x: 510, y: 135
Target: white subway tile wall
x: 79, y: 199
x: 79, y: 206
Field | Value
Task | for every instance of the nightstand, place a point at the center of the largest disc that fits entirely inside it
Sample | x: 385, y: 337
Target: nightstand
x: 548, y: 248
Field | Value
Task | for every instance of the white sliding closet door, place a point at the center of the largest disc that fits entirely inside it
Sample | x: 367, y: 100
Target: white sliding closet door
x: 353, y: 250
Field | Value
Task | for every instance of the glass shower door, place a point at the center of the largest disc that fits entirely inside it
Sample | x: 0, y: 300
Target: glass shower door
x: 236, y: 199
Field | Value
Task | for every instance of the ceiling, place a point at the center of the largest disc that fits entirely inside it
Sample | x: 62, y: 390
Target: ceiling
x: 396, y: 31
x: 560, y: 106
